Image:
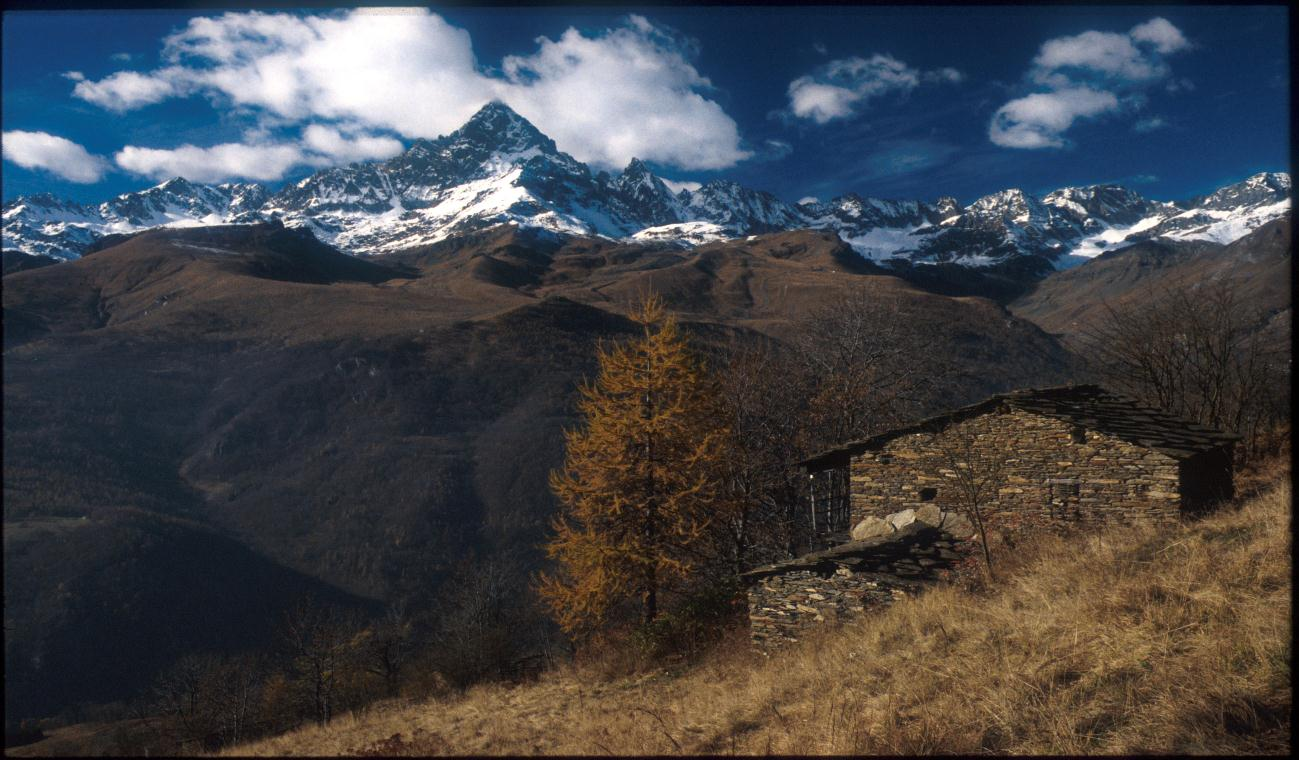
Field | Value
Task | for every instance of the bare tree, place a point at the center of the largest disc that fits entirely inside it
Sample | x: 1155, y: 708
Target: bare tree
x: 318, y: 639
x: 765, y: 399
x: 976, y: 473
x: 183, y: 697
x: 869, y: 366
x: 207, y: 700
x: 236, y: 687
x: 485, y: 620
x: 388, y: 645
x: 1199, y: 352
x: 855, y: 366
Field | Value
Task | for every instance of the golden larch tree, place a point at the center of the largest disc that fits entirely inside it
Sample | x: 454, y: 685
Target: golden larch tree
x: 639, y: 484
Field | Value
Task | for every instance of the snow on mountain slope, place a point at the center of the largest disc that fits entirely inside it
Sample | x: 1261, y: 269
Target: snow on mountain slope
x: 685, y: 233
x: 498, y: 168
x: 42, y: 224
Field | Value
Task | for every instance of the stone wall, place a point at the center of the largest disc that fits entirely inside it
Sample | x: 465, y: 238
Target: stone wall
x: 844, y: 583
x: 1051, y: 470
x: 783, y: 606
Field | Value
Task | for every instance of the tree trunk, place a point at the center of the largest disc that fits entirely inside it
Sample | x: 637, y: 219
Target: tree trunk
x: 983, y: 542
x: 651, y: 606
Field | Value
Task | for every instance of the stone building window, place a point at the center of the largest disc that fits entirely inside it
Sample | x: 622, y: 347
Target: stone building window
x: 885, y: 459
x: 928, y: 494
x: 1078, y: 434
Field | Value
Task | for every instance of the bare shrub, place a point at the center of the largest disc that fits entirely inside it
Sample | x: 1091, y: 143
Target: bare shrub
x: 1200, y: 352
x: 319, y: 641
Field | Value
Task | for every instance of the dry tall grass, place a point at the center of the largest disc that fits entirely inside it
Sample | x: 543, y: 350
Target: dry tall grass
x: 1133, y: 640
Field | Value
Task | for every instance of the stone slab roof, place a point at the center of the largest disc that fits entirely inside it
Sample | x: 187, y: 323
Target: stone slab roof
x: 1088, y: 406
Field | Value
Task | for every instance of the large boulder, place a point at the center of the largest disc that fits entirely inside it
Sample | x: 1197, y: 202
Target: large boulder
x: 900, y: 520
x: 870, y: 528
x: 930, y: 515
x: 952, y: 523
x: 957, y: 525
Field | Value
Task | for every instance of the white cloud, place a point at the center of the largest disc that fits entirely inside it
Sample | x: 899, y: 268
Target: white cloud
x: 1038, y: 120
x: 1087, y: 75
x: 677, y: 187
x: 257, y: 157
x: 807, y: 199
x: 127, y: 90
x: 331, y: 143
x: 843, y: 86
x: 628, y: 92
x: 211, y: 164
x: 1105, y: 53
x: 820, y: 102
x: 1162, y: 34
x: 57, y: 155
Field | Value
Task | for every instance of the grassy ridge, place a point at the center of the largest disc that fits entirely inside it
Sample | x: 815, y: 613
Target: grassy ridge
x: 1131, y: 640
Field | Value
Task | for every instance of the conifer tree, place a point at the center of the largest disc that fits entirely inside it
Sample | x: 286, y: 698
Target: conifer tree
x: 639, y: 484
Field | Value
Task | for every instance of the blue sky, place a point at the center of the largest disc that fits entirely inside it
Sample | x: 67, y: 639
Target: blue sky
x: 908, y: 102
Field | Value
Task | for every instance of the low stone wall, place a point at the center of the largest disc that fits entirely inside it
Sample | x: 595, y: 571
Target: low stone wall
x: 783, y: 606
x: 846, y: 582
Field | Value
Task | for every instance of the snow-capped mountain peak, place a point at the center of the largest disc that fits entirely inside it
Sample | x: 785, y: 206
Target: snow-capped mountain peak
x: 646, y: 196
x: 499, y: 168
x: 1111, y: 204
x: 498, y: 127
x: 1261, y: 189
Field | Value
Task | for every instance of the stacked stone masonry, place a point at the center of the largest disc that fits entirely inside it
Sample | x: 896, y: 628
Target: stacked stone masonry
x: 787, y: 598
x: 1077, y: 455
x: 1049, y: 472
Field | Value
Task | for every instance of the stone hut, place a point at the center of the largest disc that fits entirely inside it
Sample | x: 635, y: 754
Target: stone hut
x: 1077, y: 454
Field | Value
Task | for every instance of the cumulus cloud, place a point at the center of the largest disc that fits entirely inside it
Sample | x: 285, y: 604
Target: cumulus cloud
x: 1162, y: 34
x: 1086, y: 76
x: 332, y: 144
x: 628, y: 92
x: 54, y: 154
x: 1038, y: 120
x: 1105, y: 53
x: 211, y: 164
x: 843, y: 86
x: 258, y: 158
x: 127, y: 90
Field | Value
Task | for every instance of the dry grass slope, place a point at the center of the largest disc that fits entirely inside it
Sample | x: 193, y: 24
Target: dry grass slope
x: 1124, y: 642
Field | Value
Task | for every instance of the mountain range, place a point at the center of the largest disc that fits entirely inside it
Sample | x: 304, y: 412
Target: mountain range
x: 214, y: 422
x: 498, y: 168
